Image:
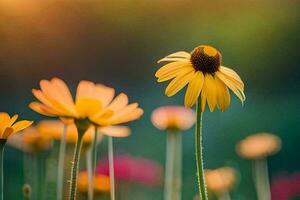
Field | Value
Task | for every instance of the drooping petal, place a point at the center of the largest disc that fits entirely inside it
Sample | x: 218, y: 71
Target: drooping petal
x: 20, y: 125
x: 194, y: 89
x: 239, y: 93
x: 209, y: 87
x: 178, y: 83
x: 231, y: 73
x: 223, y: 96
x: 13, y: 120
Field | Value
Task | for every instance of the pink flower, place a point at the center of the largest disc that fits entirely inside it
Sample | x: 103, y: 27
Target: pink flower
x: 284, y: 187
x: 133, y: 169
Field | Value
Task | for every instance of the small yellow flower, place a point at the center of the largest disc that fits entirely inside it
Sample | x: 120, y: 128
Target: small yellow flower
x: 206, y: 78
x: 173, y: 118
x: 259, y: 146
x: 101, y: 183
x: 220, y: 180
x: 94, y: 102
x: 31, y: 140
x: 8, y: 126
x: 54, y: 128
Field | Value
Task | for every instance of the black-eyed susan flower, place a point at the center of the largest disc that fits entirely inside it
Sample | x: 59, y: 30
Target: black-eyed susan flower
x: 220, y: 181
x: 9, y: 126
x: 205, y: 76
x: 258, y: 146
x: 173, y: 118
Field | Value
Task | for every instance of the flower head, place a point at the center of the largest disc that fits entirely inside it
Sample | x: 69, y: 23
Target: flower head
x: 173, y: 118
x: 259, y: 146
x: 9, y: 127
x: 101, y: 183
x: 132, y: 169
x: 31, y: 140
x: 202, y: 70
x: 94, y: 102
x: 220, y: 180
x: 54, y: 128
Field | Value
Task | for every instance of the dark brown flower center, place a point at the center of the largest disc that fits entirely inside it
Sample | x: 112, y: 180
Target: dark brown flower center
x: 206, y: 59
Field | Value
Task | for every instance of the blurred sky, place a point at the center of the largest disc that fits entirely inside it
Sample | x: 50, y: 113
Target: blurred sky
x: 118, y: 42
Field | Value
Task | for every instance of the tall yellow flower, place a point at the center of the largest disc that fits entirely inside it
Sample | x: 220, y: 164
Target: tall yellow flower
x: 94, y: 102
x: 8, y: 126
x: 202, y: 70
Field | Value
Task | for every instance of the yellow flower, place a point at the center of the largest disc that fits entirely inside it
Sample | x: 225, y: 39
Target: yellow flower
x: 54, y: 128
x: 259, y: 146
x: 173, y: 118
x: 206, y: 78
x: 9, y: 127
x: 101, y: 183
x: 31, y: 140
x: 94, y: 102
x: 220, y: 180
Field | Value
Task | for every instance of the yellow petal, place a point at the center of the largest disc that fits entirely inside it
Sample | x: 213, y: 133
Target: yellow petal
x: 42, y: 109
x: 137, y: 113
x: 63, y: 89
x: 12, y: 120
x: 240, y: 94
x: 223, y: 96
x: 20, y: 125
x: 194, y: 89
x: 169, y: 68
x: 172, y: 60
x: 175, y: 73
x: 119, y: 102
x: 4, y: 121
x: 231, y: 73
x: 209, y: 87
x: 178, y: 83
x: 203, y: 100
x: 7, y: 132
x: 88, y: 106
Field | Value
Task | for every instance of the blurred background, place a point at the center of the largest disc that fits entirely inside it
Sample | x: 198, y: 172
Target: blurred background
x: 118, y: 43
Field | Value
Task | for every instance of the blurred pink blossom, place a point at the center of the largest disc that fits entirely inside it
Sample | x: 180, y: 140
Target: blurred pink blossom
x: 133, y: 169
x: 285, y: 187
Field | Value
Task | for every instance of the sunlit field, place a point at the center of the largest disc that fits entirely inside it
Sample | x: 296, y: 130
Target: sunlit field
x: 149, y: 100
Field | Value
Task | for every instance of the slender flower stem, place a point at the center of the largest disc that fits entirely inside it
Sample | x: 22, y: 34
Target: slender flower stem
x: 2, y: 144
x: 90, y: 173
x: 199, y: 154
x: 261, y: 179
x: 173, y: 166
x: 61, y: 162
x: 75, y: 164
x: 111, y: 167
x: 92, y: 159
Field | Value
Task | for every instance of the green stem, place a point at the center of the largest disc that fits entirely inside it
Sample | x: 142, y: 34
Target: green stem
x: 199, y: 153
x: 261, y: 179
x: 75, y: 164
x: 111, y: 168
x: 61, y: 162
x: 89, y: 167
x: 173, y: 166
x: 2, y: 144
